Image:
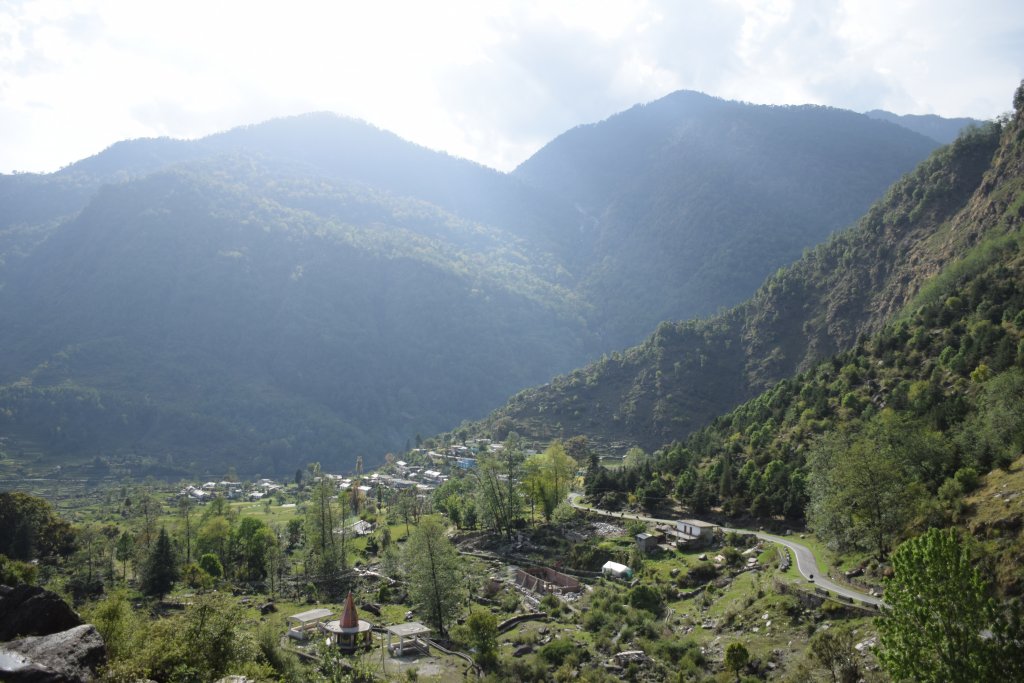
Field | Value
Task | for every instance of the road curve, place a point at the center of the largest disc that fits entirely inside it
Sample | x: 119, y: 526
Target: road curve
x: 806, y: 563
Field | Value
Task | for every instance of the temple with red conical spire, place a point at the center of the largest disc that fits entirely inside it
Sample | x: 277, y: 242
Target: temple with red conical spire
x: 349, y: 632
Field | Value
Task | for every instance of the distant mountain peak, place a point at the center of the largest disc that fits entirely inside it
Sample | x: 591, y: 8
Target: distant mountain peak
x: 937, y: 128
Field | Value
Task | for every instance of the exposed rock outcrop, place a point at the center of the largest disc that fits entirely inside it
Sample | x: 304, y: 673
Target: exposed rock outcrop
x: 32, y: 611
x: 71, y: 656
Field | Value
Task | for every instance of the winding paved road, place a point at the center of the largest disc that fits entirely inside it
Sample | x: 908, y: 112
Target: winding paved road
x: 806, y: 563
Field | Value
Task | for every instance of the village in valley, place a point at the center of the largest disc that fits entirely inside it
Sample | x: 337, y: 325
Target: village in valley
x: 585, y: 590
x: 539, y: 582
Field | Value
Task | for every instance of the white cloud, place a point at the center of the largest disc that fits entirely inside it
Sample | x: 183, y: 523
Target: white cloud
x: 489, y: 81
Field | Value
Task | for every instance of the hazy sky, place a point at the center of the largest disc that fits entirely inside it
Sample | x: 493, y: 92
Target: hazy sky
x: 487, y: 80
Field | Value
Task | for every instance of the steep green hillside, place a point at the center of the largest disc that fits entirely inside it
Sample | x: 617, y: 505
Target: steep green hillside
x: 678, y: 200
x: 206, y: 320
x: 916, y: 426
x: 892, y: 436
x: 943, y: 377
x: 316, y: 288
x: 687, y: 373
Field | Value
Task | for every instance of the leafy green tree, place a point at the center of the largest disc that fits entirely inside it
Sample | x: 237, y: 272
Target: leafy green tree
x: 250, y: 542
x: 273, y: 558
x: 453, y: 507
x: 293, y: 532
x: 161, y: 568
x: 215, y: 537
x: 548, y: 477
x: 325, y: 556
x: 736, y: 658
x: 862, y: 493
x: 432, y: 566
x: 940, y: 623
x: 833, y: 649
x: 210, y: 564
x: 211, y: 634
x: 86, y: 565
x: 405, y: 507
x: 499, y: 497
x: 1002, y: 414
x: 635, y: 457
x: 30, y: 528
x: 482, y: 627
x: 146, y: 512
x: 469, y: 514
x: 185, y: 510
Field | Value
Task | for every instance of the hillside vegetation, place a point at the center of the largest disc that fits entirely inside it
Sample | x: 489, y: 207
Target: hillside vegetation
x: 683, y: 193
x: 190, y: 316
x: 889, y: 437
x: 315, y: 288
x: 687, y: 373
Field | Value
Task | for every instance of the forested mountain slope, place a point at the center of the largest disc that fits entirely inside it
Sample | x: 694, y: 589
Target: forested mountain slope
x: 687, y: 373
x: 315, y: 288
x: 678, y: 199
x: 205, y: 320
x: 917, y: 425
x: 328, y: 146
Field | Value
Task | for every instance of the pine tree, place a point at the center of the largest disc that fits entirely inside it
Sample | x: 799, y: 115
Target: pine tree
x: 940, y: 624
x: 161, y: 569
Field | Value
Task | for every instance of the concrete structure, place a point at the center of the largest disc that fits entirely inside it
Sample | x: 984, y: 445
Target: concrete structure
x: 543, y: 580
x: 410, y: 636
x: 692, y: 532
x: 648, y: 543
x: 306, y: 623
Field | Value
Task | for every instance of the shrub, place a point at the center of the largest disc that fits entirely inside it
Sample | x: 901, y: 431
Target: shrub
x: 13, y: 572
x: 647, y: 598
x: 195, y: 577
x: 700, y: 574
x: 557, y: 651
x: 509, y: 602
x: 967, y: 477
x: 210, y: 564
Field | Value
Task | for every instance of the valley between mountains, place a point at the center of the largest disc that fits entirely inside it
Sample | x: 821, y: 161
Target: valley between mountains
x: 706, y: 391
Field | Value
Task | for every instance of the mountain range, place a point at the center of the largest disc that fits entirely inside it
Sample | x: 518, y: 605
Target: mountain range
x: 955, y: 210
x: 315, y: 288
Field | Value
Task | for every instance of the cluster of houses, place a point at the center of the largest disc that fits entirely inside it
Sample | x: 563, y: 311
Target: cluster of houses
x: 409, y: 477
x: 464, y: 456
x: 232, y: 490
x: 347, y: 484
